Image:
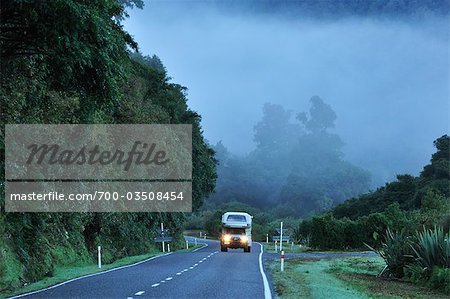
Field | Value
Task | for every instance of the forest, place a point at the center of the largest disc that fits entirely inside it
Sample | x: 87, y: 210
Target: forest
x: 297, y: 169
x: 83, y: 68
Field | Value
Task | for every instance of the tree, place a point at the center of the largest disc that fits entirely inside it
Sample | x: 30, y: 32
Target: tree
x: 80, y: 45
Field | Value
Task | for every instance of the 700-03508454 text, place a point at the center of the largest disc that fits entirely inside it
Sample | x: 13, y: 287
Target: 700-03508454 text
x: 98, y: 195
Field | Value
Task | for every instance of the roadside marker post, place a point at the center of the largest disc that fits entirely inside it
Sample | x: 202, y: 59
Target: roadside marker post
x: 99, y: 257
x: 267, y: 238
x: 187, y: 244
x: 168, y: 247
x: 195, y: 239
x: 276, y: 249
x: 282, y: 261
x: 281, y: 236
x: 204, y: 236
x: 162, y: 230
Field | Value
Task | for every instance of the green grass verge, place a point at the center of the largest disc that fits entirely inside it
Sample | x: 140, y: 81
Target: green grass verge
x: 288, y: 248
x: 62, y: 274
x: 361, y: 274
x: 353, y: 277
x: 310, y: 279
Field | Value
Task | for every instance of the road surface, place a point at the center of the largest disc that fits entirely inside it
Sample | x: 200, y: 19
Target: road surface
x: 205, y: 273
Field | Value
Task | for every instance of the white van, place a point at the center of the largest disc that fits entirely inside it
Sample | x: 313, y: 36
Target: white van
x: 236, y: 231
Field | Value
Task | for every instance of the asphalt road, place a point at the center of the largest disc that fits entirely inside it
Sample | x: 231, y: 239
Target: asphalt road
x: 205, y: 273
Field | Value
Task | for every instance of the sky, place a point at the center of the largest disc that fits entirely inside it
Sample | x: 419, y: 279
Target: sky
x: 387, y: 80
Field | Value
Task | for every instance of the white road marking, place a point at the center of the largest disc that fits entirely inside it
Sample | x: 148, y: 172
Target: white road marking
x: 89, y: 275
x: 204, y: 245
x: 155, y: 285
x: 129, y: 297
x: 169, y: 278
x: 191, y: 268
x: 185, y: 270
x: 179, y: 273
x: 267, y: 292
x: 139, y: 293
x: 200, y: 261
x: 195, y: 265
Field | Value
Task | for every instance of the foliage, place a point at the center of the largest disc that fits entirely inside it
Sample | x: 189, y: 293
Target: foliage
x: 410, y: 192
x: 79, y: 69
x: 440, y: 279
x: 431, y: 251
x: 297, y: 168
x: 396, y: 252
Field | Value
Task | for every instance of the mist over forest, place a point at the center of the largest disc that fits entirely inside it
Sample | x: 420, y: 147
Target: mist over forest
x: 330, y: 116
x: 372, y: 63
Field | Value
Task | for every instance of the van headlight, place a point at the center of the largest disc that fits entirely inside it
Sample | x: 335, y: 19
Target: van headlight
x: 244, y: 239
x: 226, y: 238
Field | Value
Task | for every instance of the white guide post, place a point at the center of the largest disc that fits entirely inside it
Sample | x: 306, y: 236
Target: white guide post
x: 163, y: 243
x: 281, y: 236
x: 99, y: 257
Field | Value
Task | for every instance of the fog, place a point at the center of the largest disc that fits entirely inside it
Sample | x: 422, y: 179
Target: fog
x: 387, y: 80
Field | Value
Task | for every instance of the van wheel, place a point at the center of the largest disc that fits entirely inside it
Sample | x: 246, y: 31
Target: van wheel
x: 223, y: 249
x: 247, y: 249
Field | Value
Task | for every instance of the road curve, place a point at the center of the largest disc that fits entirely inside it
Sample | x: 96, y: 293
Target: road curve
x: 205, y: 273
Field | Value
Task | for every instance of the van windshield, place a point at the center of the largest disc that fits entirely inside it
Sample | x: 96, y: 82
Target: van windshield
x: 235, y: 231
x: 236, y: 218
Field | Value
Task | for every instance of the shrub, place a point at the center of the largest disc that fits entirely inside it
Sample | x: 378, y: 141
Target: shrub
x: 431, y: 250
x: 396, y: 252
x: 440, y: 279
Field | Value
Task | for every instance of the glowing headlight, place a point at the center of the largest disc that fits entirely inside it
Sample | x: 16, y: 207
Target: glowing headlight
x: 244, y: 239
x: 227, y: 238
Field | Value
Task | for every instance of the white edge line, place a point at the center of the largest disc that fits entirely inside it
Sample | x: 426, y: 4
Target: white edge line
x: 86, y: 276
x: 205, y: 245
x: 267, y: 292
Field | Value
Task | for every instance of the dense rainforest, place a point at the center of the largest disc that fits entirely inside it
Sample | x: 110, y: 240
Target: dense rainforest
x: 70, y: 62
x: 297, y: 169
x: 407, y: 204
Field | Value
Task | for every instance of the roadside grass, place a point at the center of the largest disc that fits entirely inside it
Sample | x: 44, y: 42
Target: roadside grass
x: 290, y: 283
x: 361, y: 274
x: 62, y: 274
x: 309, y: 278
x: 350, y: 277
x: 288, y: 248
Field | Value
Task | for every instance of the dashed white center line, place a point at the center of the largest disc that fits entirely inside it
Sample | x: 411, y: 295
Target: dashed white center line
x: 178, y: 273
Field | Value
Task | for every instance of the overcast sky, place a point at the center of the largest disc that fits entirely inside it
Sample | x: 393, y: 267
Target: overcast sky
x: 387, y: 80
